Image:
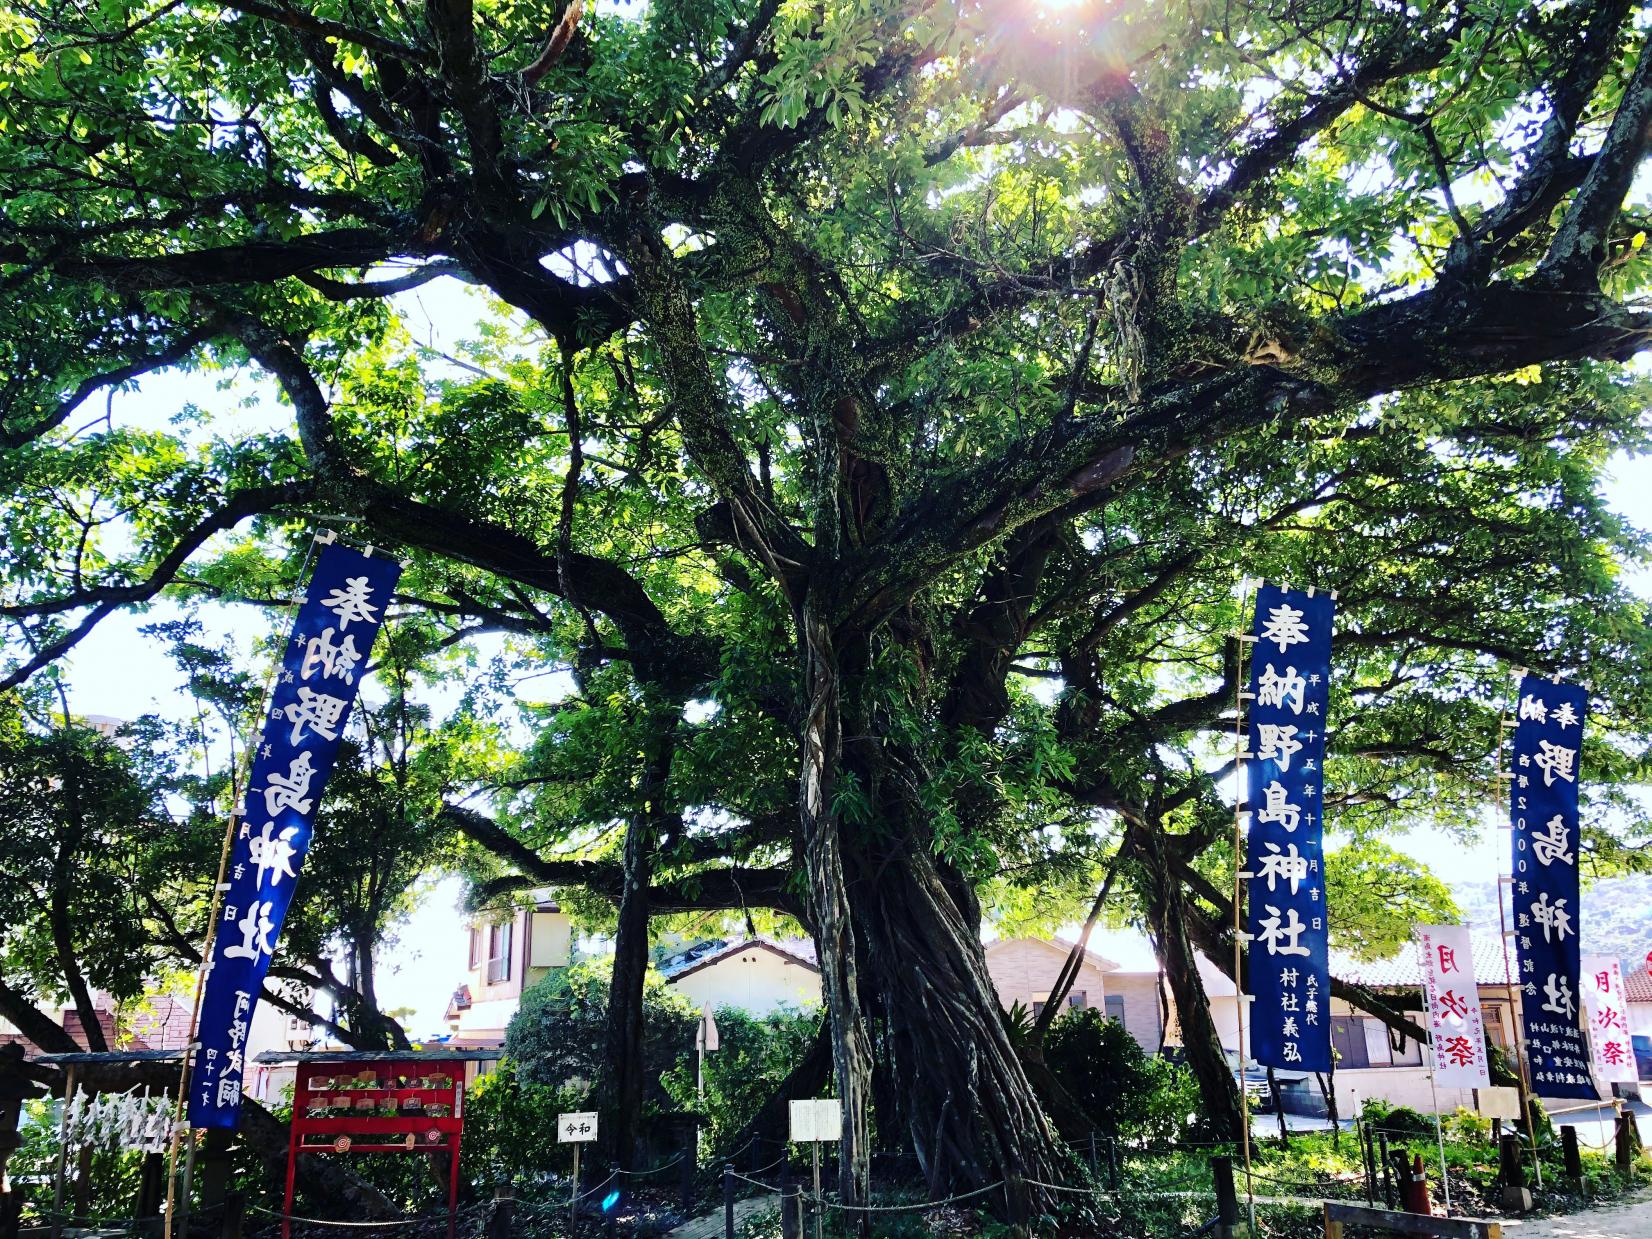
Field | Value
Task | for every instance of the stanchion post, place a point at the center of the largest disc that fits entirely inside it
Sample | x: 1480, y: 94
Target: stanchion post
x: 728, y: 1201
x: 502, y: 1218
x: 689, y: 1164
x: 1572, y: 1156
x: 788, y: 1226
x: 1627, y: 1142
x: 1387, y: 1171
x: 235, y: 1213
x: 1227, y: 1198
x: 791, y: 1207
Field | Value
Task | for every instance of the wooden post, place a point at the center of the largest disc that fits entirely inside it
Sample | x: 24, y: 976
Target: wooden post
x: 1387, y: 1171
x: 62, y: 1152
x: 1573, y: 1157
x: 1113, y: 1163
x: 1094, y: 1166
x: 728, y: 1202
x: 504, y: 1210
x: 791, y: 1204
x: 1367, y: 1160
x: 151, y: 1192
x: 1511, y: 1168
x: 1627, y: 1141
x: 573, y: 1196
x: 1227, y: 1198
x: 688, y: 1164
x: 235, y: 1213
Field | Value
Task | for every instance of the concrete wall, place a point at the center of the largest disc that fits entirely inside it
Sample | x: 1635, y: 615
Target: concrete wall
x: 1142, y: 1013
x: 1024, y: 970
x: 756, y: 980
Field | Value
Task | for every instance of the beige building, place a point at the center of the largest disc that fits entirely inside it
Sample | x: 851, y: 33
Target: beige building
x: 1024, y: 970
x: 507, y: 952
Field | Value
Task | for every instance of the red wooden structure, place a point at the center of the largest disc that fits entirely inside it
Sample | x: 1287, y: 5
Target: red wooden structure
x: 378, y: 1102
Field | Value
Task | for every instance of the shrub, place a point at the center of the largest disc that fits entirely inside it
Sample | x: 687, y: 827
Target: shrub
x: 754, y: 1055
x: 559, y: 1033
x: 1118, y: 1085
x: 1396, y: 1122
x: 510, y: 1128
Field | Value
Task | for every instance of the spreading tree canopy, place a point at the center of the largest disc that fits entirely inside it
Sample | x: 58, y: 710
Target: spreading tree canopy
x: 881, y: 401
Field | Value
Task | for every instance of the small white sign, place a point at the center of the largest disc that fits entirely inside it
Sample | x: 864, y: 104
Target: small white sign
x: 579, y: 1127
x: 708, y: 1030
x: 817, y: 1121
x: 1500, y: 1103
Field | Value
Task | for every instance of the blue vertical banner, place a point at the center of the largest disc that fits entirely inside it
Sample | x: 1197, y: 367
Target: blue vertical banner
x: 321, y: 671
x: 1548, y: 739
x: 1290, y: 980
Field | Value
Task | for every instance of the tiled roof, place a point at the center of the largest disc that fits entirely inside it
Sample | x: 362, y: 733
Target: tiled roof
x: 1636, y: 983
x: 703, y: 954
x: 1402, y: 970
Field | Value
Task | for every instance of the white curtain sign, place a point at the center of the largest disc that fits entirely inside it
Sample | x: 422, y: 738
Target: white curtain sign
x: 1454, y: 1022
x: 1606, y: 1007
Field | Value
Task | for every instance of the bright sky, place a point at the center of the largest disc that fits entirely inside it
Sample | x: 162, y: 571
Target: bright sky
x: 116, y: 672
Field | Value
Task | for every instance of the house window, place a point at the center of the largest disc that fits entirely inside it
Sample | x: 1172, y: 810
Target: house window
x: 1114, y: 1004
x: 1348, y: 1040
x: 499, y: 952
x: 475, y: 947
x: 1078, y: 999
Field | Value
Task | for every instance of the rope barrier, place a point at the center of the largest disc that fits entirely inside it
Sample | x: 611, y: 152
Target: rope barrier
x: 922, y: 1206
x: 767, y: 1187
x: 316, y: 1221
x: 643, y: 1174
x: 584, y: 1196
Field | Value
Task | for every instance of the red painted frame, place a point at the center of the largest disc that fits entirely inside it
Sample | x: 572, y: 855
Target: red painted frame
x: 376, y: 1133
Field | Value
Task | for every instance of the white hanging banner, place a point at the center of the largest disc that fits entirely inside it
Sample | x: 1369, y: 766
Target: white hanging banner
x: 1606, y: 1007
x: 1454, y: 1022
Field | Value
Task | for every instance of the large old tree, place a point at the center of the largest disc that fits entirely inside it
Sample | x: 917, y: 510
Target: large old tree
x: 880, y: 403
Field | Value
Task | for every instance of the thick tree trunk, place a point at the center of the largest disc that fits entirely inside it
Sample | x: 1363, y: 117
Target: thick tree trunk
x: 822, y: 746
x: 1167, y: 915
x: 973, y: 1116
x: 625, y: 997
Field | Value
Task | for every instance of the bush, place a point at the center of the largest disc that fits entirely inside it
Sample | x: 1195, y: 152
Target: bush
x: 1117, y: 1084
x: 754, y: 1055
x: 559, y: 1034
x: 1396, y: 1122
x: 510, y: 1128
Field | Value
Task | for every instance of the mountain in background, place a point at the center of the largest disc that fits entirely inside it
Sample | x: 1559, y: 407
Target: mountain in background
x: 1616, y: 920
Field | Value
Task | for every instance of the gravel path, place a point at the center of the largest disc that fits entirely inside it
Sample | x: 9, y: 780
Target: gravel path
x: 1631, y: 1219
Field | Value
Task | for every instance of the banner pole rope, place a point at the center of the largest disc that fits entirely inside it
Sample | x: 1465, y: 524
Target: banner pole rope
x: 239, y: 775
x: 1242, y: 639
x: 1517, y: 1006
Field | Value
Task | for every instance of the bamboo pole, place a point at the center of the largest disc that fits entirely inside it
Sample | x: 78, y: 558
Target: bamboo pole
x: 1239, y: 812
x: 1517, y: 1007
x: 238, y: 781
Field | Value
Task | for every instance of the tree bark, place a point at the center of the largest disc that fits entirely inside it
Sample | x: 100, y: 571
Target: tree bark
x: 973, y: 1116
x: 625, y: 995
x: 1165, y: 901
x: 822, y: 749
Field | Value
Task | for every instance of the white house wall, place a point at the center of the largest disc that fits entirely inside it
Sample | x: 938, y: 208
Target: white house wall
x: 756, y: 980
